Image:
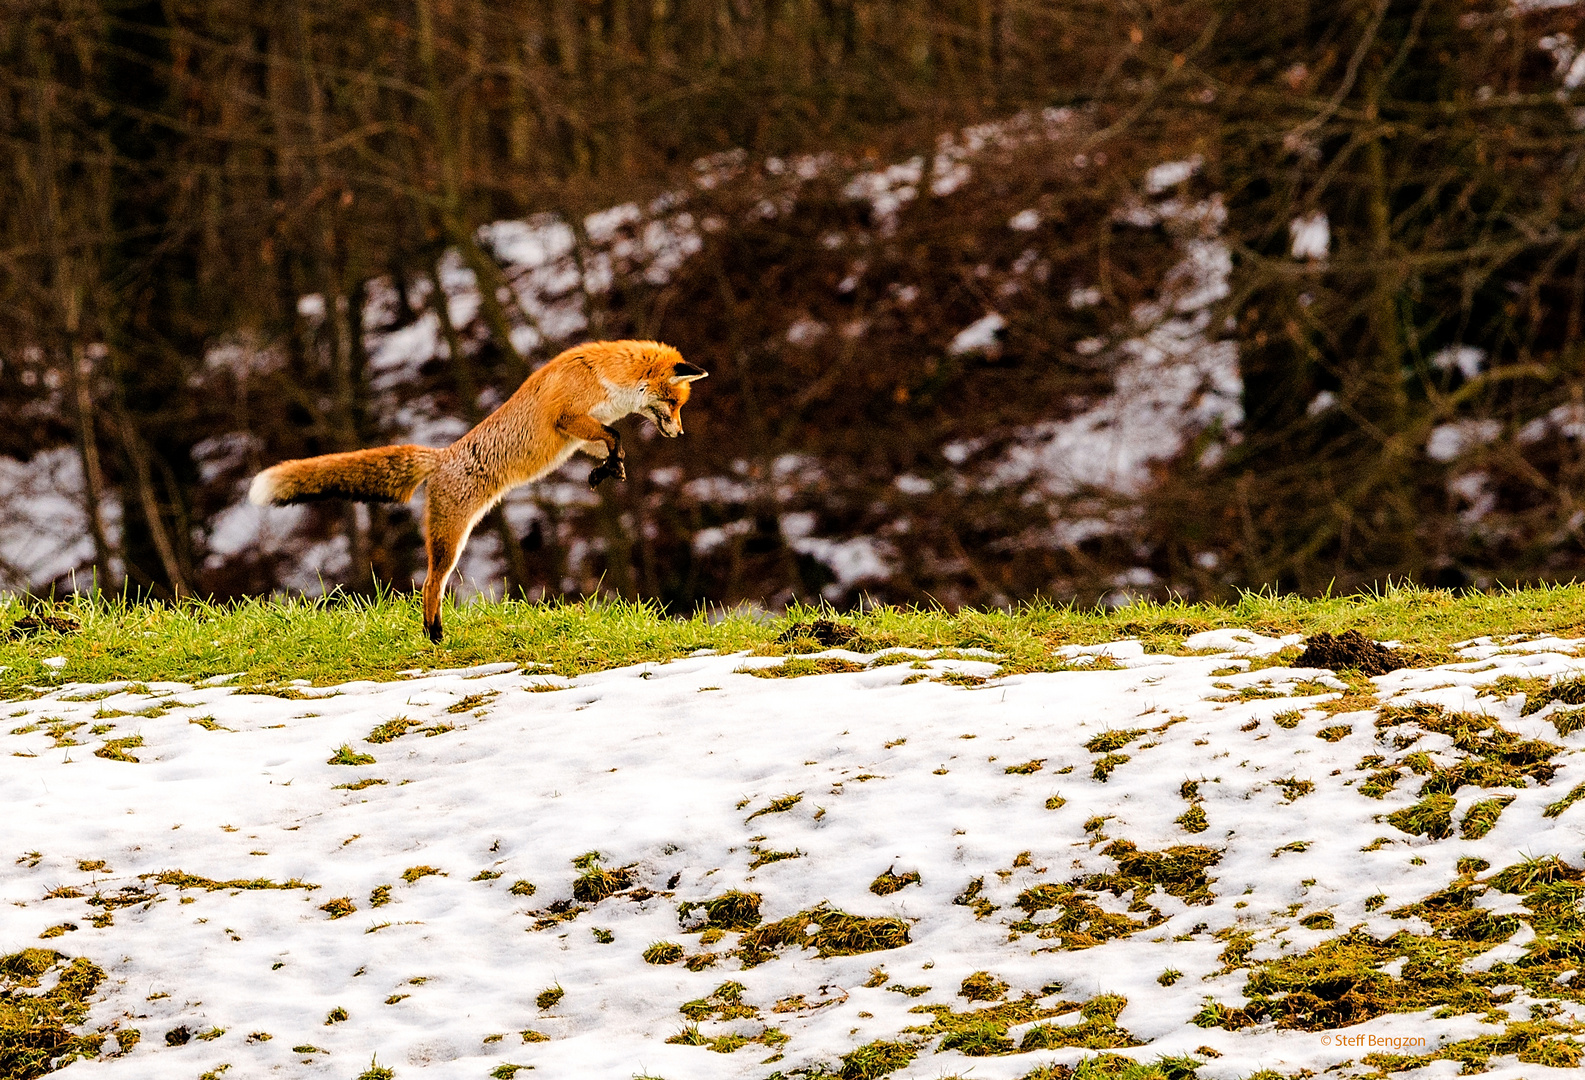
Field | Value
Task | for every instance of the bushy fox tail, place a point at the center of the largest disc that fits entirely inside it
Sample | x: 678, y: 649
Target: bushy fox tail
x: 387, y: 474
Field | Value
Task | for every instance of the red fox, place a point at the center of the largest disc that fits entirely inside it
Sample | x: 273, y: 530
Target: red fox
x: 565, y: 406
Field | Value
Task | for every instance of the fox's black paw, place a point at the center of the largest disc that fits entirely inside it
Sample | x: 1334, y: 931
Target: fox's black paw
x: 607, y: 470
x: 433, y: 630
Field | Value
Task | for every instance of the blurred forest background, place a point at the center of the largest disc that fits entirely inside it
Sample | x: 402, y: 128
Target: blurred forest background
x: 1080, y: 298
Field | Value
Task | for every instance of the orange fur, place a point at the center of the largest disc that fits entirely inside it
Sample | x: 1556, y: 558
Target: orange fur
x: 566, y: 406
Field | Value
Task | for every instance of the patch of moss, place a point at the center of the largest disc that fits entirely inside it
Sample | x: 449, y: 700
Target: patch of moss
x: 1482, y: 817
x: 973, y: 898
x: 472, y: 702
x: 1533, y: 1042
x: 663, y: 952
x: 1556, y: 809
x: 729, y: 1042
x: 724, y: 1003
x: 876, y: 1059
x: 1110, y: 741
x: 346, y: 755
x: 376, y: 1071
x: 1082, y: 923
x: 413, y: 874
x: 598, y: 882
x: 797, y: 666
x: 889, y: 882
x: 550, y: 997
x: 1106, y: 764
x: 1293, y: 788
x: 766, y: 856
x: 391, y: 730
x: 1097, y: 1030
x: 340, y: 907
x: 826, y: 930
x: 1567, y: 721
x: 358, y: 785
x: 1495, y: 756
x: 61, y: 732
x: 1026, y: 768
x: 1340, y: 982
x: 1378, y: 783
x: 183, y: 880
x: 36, y: 1029
x: 556, y: 913
x: 982, y: 986
x: 1178, y: 871
x: 779, y: 805
x: 961, y: 678
x: 1432, y: 816
x: 116, y: 749
x: 1538, y: 697
x: 1193, y: 819
x: 732, y: 910
x: 1118, y: 1067
x: 983, y: 1032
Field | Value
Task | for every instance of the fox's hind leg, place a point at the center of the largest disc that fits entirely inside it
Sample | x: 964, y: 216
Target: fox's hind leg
x: 448, y: 521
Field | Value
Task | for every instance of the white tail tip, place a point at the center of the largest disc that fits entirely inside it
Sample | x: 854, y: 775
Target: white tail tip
x: 262, y: 490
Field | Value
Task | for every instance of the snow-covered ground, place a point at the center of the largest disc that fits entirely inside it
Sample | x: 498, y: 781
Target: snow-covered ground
x: 509, y: 776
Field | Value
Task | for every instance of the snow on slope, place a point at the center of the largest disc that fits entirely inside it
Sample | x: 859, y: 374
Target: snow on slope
x: 660, y: 767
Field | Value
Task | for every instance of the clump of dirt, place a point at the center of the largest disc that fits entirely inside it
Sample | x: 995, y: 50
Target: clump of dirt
x: 823, y: 632
x: 1350, y: 649
x: 38, y: 622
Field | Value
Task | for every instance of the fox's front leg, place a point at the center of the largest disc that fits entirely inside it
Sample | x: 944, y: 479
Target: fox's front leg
x: 590, y: 430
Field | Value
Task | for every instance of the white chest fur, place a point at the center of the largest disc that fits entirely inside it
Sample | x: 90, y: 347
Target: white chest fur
x: 619, y: 401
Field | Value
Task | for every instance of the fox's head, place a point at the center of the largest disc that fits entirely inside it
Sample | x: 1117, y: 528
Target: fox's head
x: 666, y: 390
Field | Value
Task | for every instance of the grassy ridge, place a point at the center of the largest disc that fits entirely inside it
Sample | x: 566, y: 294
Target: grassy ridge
x: 328, y: 641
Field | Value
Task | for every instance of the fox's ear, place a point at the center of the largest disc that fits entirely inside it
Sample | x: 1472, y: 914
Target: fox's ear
x: 684, y: 372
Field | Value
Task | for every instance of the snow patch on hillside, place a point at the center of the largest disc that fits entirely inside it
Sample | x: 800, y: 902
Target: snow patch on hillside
x: 406, y: 896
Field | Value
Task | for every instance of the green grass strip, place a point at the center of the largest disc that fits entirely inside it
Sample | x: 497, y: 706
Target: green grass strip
x: 271, y: 642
